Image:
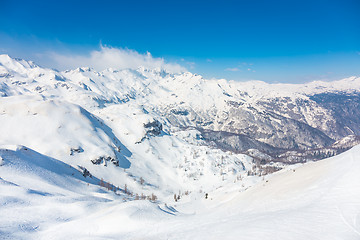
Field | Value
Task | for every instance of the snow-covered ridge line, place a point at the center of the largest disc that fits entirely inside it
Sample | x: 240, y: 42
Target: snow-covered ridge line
x: 271, y: 89
x: 311, y: 112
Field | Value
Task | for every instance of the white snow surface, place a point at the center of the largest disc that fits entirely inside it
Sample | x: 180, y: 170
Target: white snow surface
x: 52, y: 124
x: 43, y: 198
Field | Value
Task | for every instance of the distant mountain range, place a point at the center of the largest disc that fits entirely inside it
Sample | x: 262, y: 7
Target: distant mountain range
x: 287, y: 123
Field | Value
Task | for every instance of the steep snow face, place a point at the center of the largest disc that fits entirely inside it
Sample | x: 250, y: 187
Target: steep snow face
x: 54, y: 128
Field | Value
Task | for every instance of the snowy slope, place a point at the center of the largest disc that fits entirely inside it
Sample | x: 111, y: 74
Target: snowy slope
x: 36, y: 190
x: 317, y: 200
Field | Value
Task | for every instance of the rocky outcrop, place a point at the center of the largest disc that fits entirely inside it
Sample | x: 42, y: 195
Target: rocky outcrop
x: 153, y: 128
x: 104, y: 159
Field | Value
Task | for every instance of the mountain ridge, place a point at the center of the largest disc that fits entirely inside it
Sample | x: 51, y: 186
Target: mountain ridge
x: 284, y: 116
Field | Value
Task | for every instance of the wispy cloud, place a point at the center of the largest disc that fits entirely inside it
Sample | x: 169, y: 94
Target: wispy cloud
x: 235, y: 69
x: 109, y: 57
x: 242, y: 67
x: 190, y: 64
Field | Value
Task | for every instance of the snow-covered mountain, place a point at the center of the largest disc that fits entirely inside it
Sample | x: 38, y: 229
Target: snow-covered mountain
x: 235, y: 116
x: 101, y: 123
x: 71, y: 136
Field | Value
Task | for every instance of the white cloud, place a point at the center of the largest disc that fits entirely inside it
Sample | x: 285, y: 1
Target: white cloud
x: 109, y: 57
x: 235, y: 69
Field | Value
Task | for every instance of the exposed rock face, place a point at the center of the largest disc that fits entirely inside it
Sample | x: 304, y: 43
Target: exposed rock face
x: 153, y: 128
x: 104, y: 160
x: 76, y: 150
x: 85, y: 172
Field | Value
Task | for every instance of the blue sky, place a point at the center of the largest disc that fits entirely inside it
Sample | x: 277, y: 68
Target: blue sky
x: 275, y: 41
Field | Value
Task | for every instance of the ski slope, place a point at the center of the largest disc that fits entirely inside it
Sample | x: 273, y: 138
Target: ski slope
x: 50, y: 200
